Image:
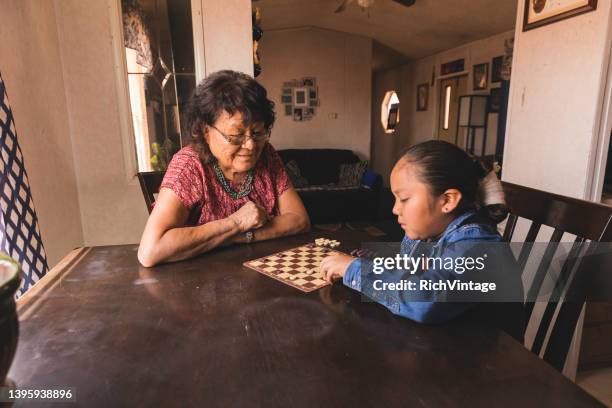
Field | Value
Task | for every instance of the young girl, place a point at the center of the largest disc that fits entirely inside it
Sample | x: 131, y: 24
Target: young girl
x: 448, y: 206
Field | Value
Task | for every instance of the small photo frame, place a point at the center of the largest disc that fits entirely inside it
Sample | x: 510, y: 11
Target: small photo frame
x: 286, y: 98
x: 312, y: 93
x: 288, y: 110
x: 297, y: 114
x: 287, y: 91
x: 496, y: 68
x: 309, y: 81
x: 314, y: 102
x: 307, y: 114
x: 422, y: 96
x: 300, y: 97
x: 481, y: 76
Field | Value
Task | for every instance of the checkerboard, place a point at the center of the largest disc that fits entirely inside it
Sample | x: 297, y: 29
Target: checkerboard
x: 297, y: 267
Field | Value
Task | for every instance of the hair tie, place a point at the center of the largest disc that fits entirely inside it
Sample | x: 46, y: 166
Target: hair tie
x: 491, y: 190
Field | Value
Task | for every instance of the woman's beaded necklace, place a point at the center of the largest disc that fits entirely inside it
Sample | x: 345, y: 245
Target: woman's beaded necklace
x: 228, y: 188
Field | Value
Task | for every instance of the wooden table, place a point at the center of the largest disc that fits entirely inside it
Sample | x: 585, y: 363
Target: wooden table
x: 209, y: 332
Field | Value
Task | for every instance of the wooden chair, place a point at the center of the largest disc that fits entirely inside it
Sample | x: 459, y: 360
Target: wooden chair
x: 149, y: 183
x: 591, y: 223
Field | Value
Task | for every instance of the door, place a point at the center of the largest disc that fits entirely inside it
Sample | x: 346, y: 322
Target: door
x: 448, y: 106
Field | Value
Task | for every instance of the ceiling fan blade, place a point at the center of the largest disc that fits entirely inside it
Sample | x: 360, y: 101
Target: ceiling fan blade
x: 343, y: 6
x: 405, y: 3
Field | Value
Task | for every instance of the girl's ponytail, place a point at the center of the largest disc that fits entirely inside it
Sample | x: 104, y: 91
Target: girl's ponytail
x: 491, y: 197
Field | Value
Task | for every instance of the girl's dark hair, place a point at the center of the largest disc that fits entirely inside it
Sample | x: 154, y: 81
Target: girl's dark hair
x: 230, y: 91
x: 442, y: 165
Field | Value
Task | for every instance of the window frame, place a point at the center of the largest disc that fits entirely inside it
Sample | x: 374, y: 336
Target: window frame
x: 448, y: 90
x: 391, y: 98
x: 124, y: 111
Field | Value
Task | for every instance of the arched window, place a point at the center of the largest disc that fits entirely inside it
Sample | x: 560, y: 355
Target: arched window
x: 389, y: 113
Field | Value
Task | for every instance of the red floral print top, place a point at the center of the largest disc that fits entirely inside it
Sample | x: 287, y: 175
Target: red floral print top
x: 198, y: 188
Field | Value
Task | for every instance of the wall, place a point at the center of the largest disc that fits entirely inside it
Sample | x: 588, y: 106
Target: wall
x: 226, y: 24
x: 341, y: 63
x: 112, y: 207
x: 558, y: 78
x: 32, y: 71
x: 418, y: 126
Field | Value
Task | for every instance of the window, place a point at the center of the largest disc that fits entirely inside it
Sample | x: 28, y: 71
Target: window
x: 390, y: 114
x: 447, y: 101
x: 158, y: 40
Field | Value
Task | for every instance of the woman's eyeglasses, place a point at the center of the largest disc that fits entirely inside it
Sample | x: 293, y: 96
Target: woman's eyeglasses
x: 238, y: 140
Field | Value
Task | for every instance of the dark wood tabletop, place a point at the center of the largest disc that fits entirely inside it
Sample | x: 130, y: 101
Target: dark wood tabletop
x: 210, y: 332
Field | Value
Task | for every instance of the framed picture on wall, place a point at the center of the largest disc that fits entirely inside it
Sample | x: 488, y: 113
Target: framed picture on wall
x: 300, y: 97
x: 481, y: 76
x: 297, y: 114
x: 422, y: 96
x: 541, y: 12
x: 496, y: 68
x: 309, y: 81
x: 452, y: 67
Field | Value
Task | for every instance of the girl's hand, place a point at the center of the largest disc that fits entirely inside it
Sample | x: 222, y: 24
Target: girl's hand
x: 334, y: 266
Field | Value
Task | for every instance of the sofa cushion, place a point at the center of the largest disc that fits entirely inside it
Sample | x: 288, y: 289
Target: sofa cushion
x: 319, y: 166
x: 351, y: 174
x: 370, y: 178
x: 295, y: 175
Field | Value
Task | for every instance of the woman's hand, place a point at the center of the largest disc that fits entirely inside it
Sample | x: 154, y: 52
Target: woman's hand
x: 334, y: 266
x: 249, y: 216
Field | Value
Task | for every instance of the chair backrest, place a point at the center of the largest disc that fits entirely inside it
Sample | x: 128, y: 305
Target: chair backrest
x: 591, y: 223
x: 149, y: 183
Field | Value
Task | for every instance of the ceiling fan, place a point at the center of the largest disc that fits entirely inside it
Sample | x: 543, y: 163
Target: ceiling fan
x: 366, y: 4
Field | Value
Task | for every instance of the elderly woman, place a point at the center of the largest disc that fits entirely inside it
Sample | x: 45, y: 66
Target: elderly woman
x: 229, y: 185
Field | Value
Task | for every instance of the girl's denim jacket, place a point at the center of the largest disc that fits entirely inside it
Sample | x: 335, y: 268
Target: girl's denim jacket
x: 433, y: 306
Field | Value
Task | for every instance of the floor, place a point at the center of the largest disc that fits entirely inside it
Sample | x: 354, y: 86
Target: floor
x: 598, y: 383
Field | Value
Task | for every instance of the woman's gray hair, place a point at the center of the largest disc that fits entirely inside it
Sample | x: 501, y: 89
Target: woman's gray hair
x: 229, y: 91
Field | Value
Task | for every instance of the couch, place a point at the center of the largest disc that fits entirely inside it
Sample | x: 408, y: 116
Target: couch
x: 324, y: 199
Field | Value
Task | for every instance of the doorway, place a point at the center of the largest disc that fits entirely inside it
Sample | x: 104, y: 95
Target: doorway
x: 448, y: 107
